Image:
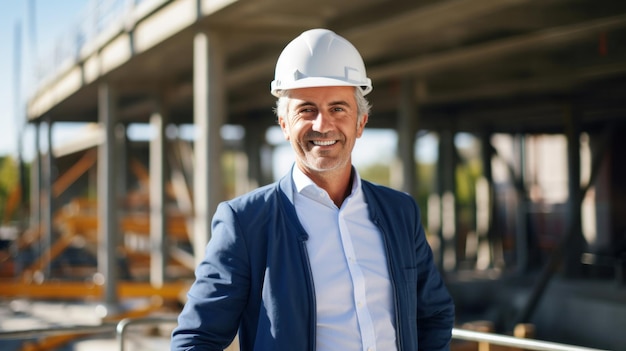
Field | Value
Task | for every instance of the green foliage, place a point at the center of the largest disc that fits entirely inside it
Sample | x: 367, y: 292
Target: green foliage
x: 376, y: 173
x: 9, y: 181
x: 466, y: 176
x: 426, y: 185
x: 9, y: 173
x: 229, y: 170
x: 426, y: 178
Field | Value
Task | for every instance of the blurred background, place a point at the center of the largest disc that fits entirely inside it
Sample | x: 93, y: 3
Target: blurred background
x: 125, y: 123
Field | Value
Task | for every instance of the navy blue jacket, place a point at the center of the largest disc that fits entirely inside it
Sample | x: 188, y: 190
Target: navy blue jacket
x: 256, y: 280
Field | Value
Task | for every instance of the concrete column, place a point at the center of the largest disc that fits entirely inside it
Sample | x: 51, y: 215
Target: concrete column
x: 576, y: 243
x: 107, y: 201
x: 522, y: 237
x: 209, y: 111
x: 447, y: 193
x: 121, y: 155
x: 158, y: 215
x: 490, y: 253
x: 267, y: 169
x: 253, y: 145
x: 407, y: 128
x: 48, y: 201
x: 35, y: 181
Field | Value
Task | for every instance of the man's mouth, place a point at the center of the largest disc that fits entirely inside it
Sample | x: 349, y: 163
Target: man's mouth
x: 324, y: 142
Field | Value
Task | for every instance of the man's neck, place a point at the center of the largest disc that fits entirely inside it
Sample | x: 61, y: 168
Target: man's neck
x: 338, y: 185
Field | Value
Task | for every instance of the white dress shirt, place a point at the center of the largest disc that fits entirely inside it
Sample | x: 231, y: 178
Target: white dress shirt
x: 353, y: 292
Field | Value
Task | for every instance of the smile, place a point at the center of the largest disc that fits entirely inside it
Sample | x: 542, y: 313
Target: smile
x: 324, y: 142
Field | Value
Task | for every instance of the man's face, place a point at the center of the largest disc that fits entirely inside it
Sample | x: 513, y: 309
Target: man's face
x: 321, y: 125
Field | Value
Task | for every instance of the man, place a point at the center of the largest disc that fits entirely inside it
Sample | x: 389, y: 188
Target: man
x: 320, y: 260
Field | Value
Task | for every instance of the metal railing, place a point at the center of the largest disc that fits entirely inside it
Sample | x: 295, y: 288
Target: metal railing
x: 457, y: 333
x: 123, y: 325
x: 96, y: 17
x: 510, y: 341
x: 121, y: 328
x: 90, y: 22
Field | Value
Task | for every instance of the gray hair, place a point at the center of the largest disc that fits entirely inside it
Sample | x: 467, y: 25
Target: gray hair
x: 363, y: 106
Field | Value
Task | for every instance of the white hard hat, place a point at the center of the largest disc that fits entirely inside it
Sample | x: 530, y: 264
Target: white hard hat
x: 319, y: 58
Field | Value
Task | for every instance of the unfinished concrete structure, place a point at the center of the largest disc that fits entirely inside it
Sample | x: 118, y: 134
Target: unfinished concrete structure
x: 487, y: 68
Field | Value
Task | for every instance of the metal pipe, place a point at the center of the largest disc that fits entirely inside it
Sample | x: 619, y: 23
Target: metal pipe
x: 504, y: 340
x: 77, y: 329
x: 125, y: 323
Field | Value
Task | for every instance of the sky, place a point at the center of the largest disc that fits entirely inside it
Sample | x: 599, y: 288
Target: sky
x: 52, y: 20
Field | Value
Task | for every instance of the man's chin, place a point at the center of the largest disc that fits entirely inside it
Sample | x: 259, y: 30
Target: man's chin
x: 323, y: 166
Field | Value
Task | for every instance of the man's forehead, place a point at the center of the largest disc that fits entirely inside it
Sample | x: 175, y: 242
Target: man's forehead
x: 323, y: 96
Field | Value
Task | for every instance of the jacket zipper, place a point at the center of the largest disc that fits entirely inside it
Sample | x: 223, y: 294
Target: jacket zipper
x: 393, y: 286
x: 313, y: 305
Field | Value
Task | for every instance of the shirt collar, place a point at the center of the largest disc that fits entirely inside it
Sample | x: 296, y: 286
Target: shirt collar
x: 302, y: 182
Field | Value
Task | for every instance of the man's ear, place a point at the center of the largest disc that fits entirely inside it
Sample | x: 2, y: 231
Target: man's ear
x: 283, y: 127
x: 361, y: 126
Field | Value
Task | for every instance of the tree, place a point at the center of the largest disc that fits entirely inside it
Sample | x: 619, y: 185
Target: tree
x: 10, y: 189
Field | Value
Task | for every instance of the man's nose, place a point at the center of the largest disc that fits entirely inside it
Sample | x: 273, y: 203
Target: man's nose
x: 322, y: 122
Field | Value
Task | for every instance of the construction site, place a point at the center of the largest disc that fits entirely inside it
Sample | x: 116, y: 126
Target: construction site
x: 523, y: 200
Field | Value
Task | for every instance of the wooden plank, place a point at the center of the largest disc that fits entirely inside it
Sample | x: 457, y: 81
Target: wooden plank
x: 57, y: 290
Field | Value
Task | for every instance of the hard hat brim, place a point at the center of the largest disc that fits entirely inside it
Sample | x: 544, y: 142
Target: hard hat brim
x: 313, y: 82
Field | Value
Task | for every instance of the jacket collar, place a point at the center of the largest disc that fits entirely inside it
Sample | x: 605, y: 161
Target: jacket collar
x: 286, y: 186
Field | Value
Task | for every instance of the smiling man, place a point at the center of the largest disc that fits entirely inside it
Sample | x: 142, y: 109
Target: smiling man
x: 322, y: 124
x: 321, y: 260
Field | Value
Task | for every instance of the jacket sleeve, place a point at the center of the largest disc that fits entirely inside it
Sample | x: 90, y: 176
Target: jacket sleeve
x: 215, y: 301
x: 435, y: 305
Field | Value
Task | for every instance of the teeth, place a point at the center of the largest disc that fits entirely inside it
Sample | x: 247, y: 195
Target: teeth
x: 324, y: 143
